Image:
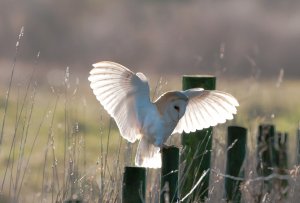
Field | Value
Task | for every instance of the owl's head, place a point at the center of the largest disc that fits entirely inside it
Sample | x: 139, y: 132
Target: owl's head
x: 172, y: 105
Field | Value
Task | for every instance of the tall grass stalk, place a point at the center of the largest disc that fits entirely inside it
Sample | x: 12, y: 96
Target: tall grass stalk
x: 25, y: 132
x: 23, y: 144
x: 49, y: 144
x: 66, y: 133
x: 19, y: 116
x: 21, y: 34
x: 31, y: 149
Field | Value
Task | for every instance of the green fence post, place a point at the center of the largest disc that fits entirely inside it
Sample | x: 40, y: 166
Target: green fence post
x: 169, y: 175
x: 298, y: 144
x: 265, y: 156
x: 134, y: 185
x: 195, y: 157
x: 236, y: 151
x: 281, y: 166
x: 281, y: 155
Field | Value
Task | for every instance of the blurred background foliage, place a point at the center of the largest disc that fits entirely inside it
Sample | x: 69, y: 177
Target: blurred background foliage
x: 248, y: 37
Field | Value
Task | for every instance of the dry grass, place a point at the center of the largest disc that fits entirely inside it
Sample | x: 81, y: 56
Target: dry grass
x: 58, y: 143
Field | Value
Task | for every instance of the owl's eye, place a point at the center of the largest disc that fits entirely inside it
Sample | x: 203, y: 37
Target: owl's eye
x: 176, y: 108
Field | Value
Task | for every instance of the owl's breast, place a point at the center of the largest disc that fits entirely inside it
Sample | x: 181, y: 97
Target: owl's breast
x: 156, y: 128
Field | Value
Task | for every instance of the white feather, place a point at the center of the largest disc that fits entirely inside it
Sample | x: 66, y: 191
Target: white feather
x: 147, y: 155
x: 119, y: 91
x: 206, y: 108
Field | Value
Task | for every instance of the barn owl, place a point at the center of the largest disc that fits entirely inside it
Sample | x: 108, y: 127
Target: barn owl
x: 125, y: 96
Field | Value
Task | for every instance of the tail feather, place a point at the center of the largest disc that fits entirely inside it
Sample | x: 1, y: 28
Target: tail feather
x: 147, y: 155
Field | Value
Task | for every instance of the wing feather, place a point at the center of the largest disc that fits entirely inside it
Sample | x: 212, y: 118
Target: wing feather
x: 119, y: 90
x: 206, y: 108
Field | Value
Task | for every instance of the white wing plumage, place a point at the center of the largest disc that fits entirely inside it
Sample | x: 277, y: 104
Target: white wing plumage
x: 206, y: 108
x: 118, y: 89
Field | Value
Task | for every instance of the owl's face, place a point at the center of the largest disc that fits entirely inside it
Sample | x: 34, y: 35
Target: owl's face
x: 176, y: 109
x: 172, y: 105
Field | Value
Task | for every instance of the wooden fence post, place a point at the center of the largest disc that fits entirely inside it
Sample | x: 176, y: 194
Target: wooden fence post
x: 265, y: 149
x: 195, y: 157
x: 134, y: 185
x: 265, y: 156
x: 169, y: 175
x: 236, y: 152
x: 281, y: 165
x: 281, y: 153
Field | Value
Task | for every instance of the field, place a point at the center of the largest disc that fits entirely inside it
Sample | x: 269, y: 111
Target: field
x: 58, y: 143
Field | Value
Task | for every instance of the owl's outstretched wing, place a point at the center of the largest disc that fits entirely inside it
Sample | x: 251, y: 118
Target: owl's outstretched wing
x: 206, y: 108
x: 119, y: 90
